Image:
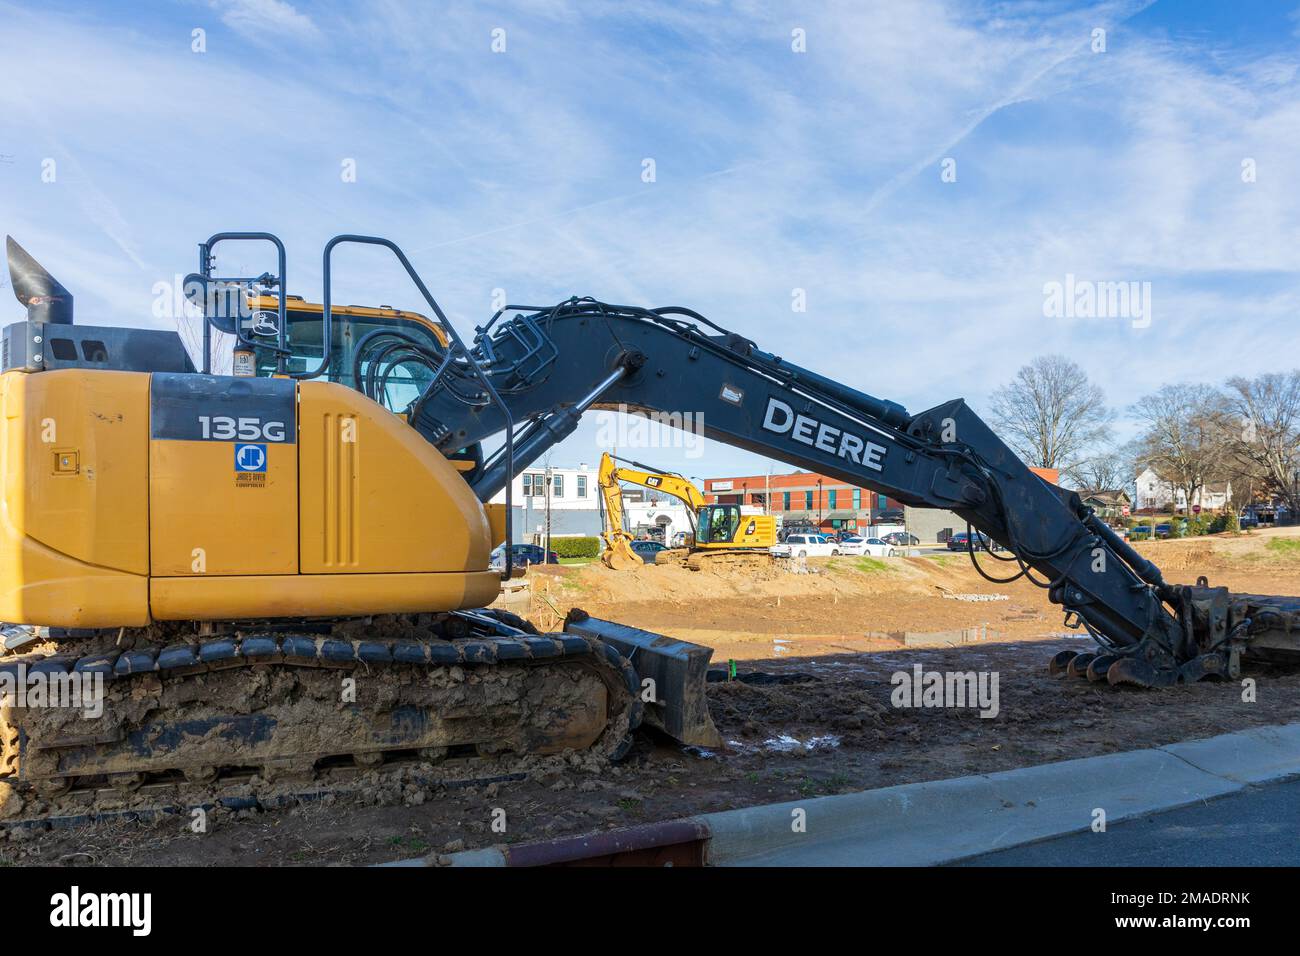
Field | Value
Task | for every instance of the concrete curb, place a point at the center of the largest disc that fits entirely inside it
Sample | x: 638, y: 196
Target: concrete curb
x: 923, y: 824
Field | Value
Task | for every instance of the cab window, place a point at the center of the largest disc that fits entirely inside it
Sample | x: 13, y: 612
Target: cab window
x: 406, y: 381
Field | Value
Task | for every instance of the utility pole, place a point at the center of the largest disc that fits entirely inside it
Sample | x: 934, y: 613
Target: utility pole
x: 548, y: 511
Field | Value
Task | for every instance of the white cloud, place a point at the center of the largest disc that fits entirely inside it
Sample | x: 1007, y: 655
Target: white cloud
x: 775, y: 170
x: 267, y: 21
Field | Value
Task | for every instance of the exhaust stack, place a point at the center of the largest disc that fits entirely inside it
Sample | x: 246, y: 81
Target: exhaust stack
x: 46, y: 300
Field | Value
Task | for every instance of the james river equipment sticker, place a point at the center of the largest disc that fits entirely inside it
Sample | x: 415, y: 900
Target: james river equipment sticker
x: 250, y: 466
x: 250, y: 458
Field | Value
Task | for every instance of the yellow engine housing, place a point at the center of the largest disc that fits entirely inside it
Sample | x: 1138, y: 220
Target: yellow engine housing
x: 132, y: 497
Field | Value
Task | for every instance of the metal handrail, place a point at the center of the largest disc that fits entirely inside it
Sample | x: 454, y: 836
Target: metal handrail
x: 205, y: 270
x: 456, y: 343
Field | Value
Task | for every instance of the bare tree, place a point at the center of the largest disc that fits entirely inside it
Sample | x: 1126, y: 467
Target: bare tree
x: 1110, y: 469
x: 1263, y: 428
x: 1184, y: 440
x: 1050, y: 414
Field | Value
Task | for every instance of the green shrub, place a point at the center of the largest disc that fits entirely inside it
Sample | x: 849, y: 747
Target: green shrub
x: 576, y: 547
x: 1197, y: 526
x: 1223, y: 522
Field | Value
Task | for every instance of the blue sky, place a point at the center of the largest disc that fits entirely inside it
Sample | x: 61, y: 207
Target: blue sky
x: 775, y: 170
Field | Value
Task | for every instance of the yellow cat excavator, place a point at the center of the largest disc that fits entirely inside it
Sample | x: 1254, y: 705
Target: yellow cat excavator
x: 721, y: 535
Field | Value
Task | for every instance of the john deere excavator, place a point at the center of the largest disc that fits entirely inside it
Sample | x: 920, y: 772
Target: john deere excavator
x: 286, y: 568
x: 721, y: 535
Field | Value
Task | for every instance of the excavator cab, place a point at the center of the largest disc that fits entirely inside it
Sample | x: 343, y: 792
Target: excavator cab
x: 353, y: 324
x: 717, y: 524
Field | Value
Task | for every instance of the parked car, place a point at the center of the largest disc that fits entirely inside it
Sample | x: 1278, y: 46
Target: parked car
x: 1245, y: 520
x: 961, y: 541
x: 875, y: 547
x: 806, y: 546
x: 1139, y: 532
x: 901, y: 539
x: 522, y: 555
x: 646, y: 550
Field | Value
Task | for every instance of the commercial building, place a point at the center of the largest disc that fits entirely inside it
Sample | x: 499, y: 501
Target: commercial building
x: 571, y: 498
x: 824, y: 504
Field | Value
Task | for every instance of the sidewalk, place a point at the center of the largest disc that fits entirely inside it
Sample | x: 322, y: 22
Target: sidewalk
x: 920, y: 824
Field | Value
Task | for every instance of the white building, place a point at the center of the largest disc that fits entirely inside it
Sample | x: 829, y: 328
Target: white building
x: 575, y: 505
x: 1154, y: 493
x: 572, y: 499
x: 571, y: 489
x: 664, y: 515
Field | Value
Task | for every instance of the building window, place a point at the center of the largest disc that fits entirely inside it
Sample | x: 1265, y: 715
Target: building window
x: 582, y: 486
x: 807, y: 501
x: 528, y: 486
x: 785, y: 501
x: 557, y: 486
x: 857, y: 499
x: 882, y: 502
x: 832, y: 502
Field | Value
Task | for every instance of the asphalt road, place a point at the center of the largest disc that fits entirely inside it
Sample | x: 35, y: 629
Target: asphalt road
x: 1257, y: 827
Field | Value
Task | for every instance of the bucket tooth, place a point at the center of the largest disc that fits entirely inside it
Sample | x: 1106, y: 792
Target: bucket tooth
x: 1060, y: 662
x: 1078, y: 666
x: 1099, y: 665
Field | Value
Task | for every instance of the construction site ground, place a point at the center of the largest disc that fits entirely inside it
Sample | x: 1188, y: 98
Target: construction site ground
x: 839, y: 630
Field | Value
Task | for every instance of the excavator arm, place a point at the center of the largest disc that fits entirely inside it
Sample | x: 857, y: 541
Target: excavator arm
x: 551, y: 365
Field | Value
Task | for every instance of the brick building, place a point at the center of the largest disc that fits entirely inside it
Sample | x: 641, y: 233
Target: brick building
x: 828, y: 504
x: 805, y: 498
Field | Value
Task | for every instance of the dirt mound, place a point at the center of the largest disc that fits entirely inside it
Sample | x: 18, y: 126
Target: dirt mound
x: 674, y: 584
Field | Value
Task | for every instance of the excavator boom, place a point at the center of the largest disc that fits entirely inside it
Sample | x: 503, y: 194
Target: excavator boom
x: 556, y: 363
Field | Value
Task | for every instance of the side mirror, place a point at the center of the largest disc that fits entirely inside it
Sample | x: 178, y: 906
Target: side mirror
x: 223, y: 305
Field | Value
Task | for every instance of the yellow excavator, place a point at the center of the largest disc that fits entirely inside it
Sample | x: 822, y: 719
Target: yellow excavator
x: 722, y: 536
x: 284, y: 571
x: 272, y: 574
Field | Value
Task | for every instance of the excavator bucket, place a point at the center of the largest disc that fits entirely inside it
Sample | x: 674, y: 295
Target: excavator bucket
x: 619, y: 556
x: 675, y: 701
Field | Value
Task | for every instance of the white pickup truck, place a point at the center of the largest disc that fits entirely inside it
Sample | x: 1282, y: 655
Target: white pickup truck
x: 806, y: 546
